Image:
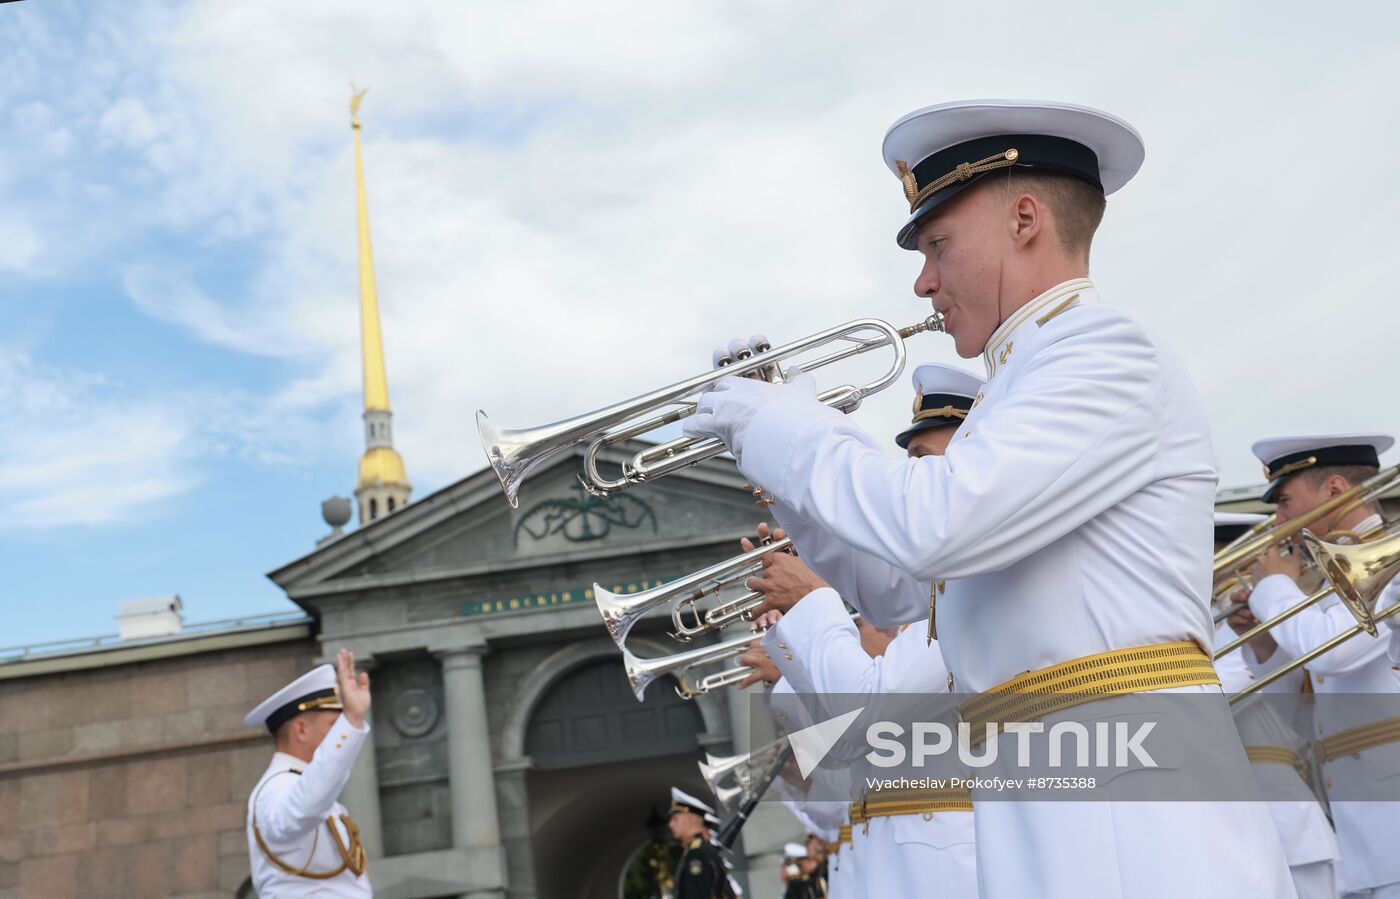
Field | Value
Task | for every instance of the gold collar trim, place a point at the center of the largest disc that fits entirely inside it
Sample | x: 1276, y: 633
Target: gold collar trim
x: 998, y: 350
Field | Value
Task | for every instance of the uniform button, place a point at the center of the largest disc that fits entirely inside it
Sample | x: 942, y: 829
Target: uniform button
x: 788, y: 656
x: 782, y: 646
x: 1320, y: 678
x: 344, y: 736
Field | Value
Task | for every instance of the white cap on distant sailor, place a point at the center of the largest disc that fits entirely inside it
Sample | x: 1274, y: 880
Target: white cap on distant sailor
x: 316, y: 689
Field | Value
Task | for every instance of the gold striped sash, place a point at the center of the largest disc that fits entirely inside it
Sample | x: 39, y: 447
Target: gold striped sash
x: 887, y: 803
x: 1035, y: 694
x: 1280, y: 755
x: 1277, y: 755
x: 1355, y: 740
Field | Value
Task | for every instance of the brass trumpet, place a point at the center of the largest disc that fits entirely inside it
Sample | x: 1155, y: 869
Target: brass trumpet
x: 641, y: 672
x: 621, y: 611
x: 516, y: 453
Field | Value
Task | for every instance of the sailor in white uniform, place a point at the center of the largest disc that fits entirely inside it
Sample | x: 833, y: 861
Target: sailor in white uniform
x: 1070, y: 517
x: 827, y: 817
x: 301, y: 840
x: 932, y: 849
x: 1278, y: 752
x: 1303, y: 473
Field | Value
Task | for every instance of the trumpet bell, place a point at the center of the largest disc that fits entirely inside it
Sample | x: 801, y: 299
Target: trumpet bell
x: 1359, y: 572
x: 510, y: 453
x: 727, y: 795
x: 621, y: 610
x: 641, y: 672
x: 716, y: 767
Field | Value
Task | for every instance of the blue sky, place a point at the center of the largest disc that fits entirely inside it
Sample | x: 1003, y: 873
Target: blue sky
x: 572, y: 203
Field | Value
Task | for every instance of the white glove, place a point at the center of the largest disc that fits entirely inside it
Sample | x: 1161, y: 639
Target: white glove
x: 726, y: 410
x: 737, y: 350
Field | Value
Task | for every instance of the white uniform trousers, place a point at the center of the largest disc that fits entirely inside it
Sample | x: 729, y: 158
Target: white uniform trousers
x: 1314, y: 881
x: 1386, y: 891
x: 908, y: 856
x: 843, y: 874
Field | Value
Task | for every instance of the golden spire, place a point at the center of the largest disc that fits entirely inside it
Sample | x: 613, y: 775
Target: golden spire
x: 382, y: 486
x: 372, y: 342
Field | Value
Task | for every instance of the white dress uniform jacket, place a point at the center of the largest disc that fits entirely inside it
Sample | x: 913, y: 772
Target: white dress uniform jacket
x: 1361, y: 665
x: 824, y: 817
x: 901, y: 855
x: 1072, y: 514
x: 1309, y: 844
x: 291, y: 805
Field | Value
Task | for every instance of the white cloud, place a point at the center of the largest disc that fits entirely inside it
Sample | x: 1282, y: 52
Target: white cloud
x: 76, y: 449
x: 172, y: 297
x: 128, y: 123
x: 69, y: 454
x: 574, y: 203
x: 19, y: 244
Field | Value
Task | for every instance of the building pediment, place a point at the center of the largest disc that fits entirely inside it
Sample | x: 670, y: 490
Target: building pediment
x: 468, y: 527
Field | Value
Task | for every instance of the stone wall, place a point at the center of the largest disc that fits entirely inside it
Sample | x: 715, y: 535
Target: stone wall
x: 131, y: 780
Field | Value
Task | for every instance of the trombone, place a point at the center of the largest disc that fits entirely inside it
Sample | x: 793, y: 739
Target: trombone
x: 1233, y: 561
x: 515, y: 453
x: 621, y: 611
x: 1357, y: 573
x: 641, y: 672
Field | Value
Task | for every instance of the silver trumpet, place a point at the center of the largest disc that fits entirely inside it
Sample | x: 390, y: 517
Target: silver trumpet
x: 621, y: 611
x: 717, y: 768
x: 515, y: 453
x: 641, y: 672
x: 725, y: 796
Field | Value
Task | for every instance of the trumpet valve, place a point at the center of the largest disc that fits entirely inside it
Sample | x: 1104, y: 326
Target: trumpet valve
x: 762, y: 498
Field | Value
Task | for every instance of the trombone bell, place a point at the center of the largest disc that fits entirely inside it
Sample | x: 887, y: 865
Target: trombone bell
x: 1359, y: 572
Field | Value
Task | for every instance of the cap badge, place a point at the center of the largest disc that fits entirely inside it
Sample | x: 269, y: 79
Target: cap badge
x: 911, y: 184
x: 1288, y: 469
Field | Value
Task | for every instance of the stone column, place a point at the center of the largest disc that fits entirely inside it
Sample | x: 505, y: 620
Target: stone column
x: 511, y: 776
x: 476, y: 828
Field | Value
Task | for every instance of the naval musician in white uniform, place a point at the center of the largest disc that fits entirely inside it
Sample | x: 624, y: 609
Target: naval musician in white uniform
x: 1072, y: 515
x: 907, y: 841
x: 1275, y: 733
x: 301, y: 840
x: 1357, y: 741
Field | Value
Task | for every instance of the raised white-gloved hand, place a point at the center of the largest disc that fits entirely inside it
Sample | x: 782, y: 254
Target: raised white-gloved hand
x: 726, y: 410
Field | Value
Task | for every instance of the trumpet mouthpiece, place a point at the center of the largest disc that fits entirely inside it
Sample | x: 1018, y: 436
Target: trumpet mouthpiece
x: 932, y: 323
